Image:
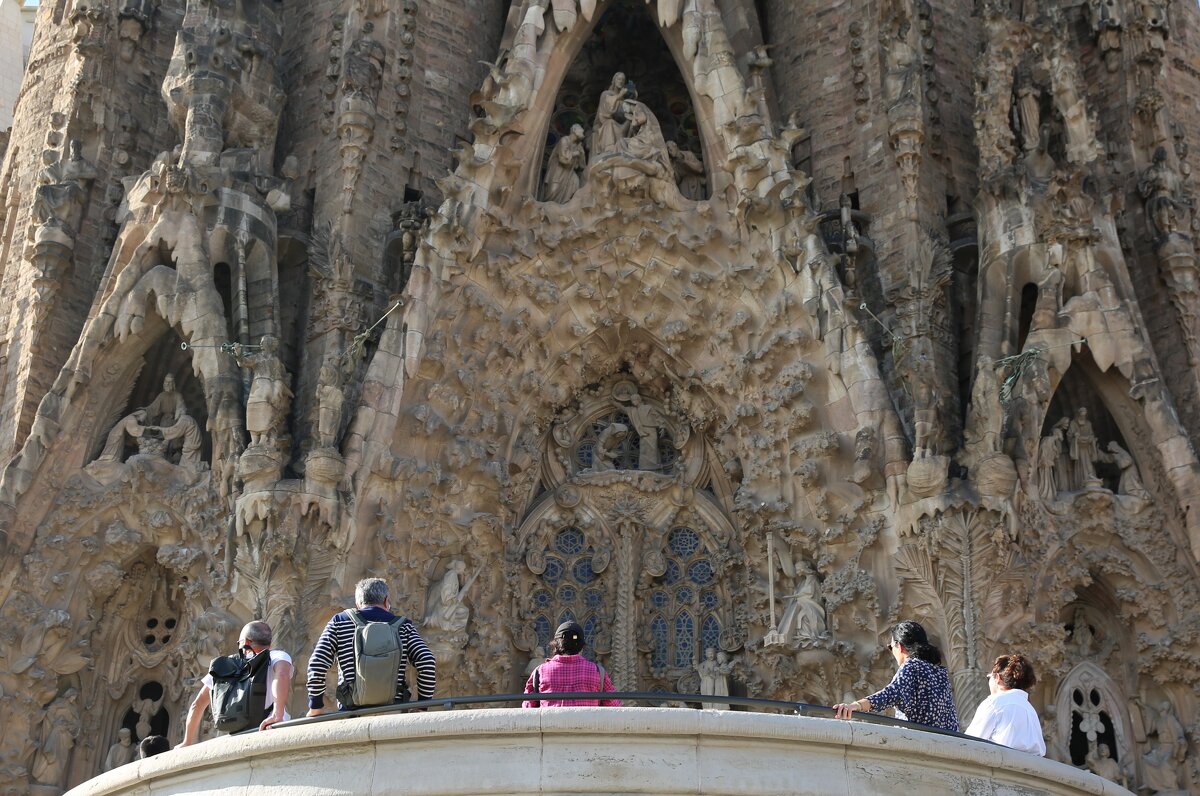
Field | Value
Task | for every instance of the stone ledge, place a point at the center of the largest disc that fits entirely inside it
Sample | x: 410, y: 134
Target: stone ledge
x: 593, y: 750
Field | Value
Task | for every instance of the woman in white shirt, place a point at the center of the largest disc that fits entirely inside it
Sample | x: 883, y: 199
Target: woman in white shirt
x: 1006, y: 716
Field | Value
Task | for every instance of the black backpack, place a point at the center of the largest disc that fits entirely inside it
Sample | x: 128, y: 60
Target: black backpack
x: 239, y: 691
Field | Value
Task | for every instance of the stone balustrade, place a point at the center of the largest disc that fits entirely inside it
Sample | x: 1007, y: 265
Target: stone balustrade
x: 594, y: 750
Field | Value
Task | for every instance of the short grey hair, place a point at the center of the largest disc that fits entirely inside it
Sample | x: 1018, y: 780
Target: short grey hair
x: 258, y: 632
x: 371, y: 591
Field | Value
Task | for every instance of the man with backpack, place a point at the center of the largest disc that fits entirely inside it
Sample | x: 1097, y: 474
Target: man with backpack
x: 247, y: 689
x: 372, y: 647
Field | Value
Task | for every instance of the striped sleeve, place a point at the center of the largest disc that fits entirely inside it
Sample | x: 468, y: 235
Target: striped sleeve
x: 323, y: 656
x: 422, y: 659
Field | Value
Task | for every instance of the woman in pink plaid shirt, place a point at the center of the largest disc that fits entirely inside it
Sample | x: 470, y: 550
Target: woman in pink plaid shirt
x: 567, y: 672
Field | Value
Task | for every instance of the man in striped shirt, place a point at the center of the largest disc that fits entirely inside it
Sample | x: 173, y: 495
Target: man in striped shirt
x: 337, y: 643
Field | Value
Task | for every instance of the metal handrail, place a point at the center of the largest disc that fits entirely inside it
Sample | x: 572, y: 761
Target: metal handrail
x: 450, y: 703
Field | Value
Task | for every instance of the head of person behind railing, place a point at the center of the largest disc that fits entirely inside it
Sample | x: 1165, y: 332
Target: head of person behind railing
x: 919, y: 673
x: 1005, y: 716
x: 568, y: 672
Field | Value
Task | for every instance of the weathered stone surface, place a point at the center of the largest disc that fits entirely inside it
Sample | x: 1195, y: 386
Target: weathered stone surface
x: 768, y: 344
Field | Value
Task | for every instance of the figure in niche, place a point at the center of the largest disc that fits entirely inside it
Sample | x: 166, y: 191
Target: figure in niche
x: 1102, y: 765
x: 566, y: 163
x: 186, y: 429
x: 446, y: 610
x: 643, y: 153
x: 1105, y: 18
x: 60, y: 728
x: 714, y: 673
x: 804, y: 615
x: 646, y: 421
x: 62, y: 187
x: 1130, y: 483
x: 611, y: 124
x: 899, y: 84
x: 1027, y: 108
x: 1083, y: 639
x: 330, y: 400
x: 167, y: 406
x: 1039, y: 163
x: 121, y: 752
x: 114, y: 446
x: 266, y: 407
x: 689, y: 172
x: 1162, y: 190
x: 1161, y: 722
x: 146, y: 709
x: 926, y: 399
x: 1162, y: 773
x: 608, y: 447
x: 1049, y: 456
x: 849, y: 235
x: 1084, y: 449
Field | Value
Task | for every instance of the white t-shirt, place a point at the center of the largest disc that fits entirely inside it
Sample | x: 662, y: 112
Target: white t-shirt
x: 1006, y: 717
x: 277, y: 656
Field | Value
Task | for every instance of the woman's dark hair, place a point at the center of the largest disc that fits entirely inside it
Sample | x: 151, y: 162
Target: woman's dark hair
x: 152, y: 745
x: 915, y: 641
x: 1014, y: 671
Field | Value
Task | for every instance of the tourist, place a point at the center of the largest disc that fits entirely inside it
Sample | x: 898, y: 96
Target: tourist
x: 254, y: 639
x: 920, y: 691
x: 337, y: 643
x: 1006, y: 716
x: 568, y: 671
x: 153, y: 745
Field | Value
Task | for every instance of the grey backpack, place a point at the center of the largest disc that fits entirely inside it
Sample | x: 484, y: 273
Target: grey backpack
x: 378, y: 658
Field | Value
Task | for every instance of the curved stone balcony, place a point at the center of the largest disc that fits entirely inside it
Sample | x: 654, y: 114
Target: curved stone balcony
x: 593, y: 751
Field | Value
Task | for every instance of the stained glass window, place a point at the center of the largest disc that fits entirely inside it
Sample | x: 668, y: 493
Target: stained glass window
x: 568, y: 590
x: 685, y: 603
x: 626, y: 454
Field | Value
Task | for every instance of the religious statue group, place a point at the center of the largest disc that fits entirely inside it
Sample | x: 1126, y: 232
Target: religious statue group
x: 627, y: 143
x: 1067, y: 458
x: 157, y: 430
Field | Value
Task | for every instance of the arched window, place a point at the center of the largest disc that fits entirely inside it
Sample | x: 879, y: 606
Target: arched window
x: 683, y: 606
x: 569, y: 590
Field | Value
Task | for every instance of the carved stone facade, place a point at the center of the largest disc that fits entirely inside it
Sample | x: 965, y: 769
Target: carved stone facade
x: 592, y: 332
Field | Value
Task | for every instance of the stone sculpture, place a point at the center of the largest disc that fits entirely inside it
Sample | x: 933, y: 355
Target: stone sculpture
x: 1026, y: 108
x: 270, y: 394
x: 331, y: 398
x: 114, y: 445
x: 689, y: 172
x: 59, y: 731
x: 611, y: 122
x: 446, y: 611
x: 1105, y: 18
x: 1102, y: 765
x: 1162, y: 190
x: 146, y: 709
x: 607, y: 447
x: 803, y: 616
x: 1084, y: 450
x: 121, y: 752
x: 567, y: 160
x: 1048, y: 463
x: 714, y: 673
x: 647, y: 421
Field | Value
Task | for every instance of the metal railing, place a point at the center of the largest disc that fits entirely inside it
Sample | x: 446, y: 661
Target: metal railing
x: 655, y: 698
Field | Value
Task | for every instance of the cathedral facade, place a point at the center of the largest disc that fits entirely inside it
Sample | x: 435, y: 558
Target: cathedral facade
x: 735, y: 331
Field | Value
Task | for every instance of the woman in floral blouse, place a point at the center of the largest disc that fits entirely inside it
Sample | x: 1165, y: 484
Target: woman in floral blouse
x: 920, y: 691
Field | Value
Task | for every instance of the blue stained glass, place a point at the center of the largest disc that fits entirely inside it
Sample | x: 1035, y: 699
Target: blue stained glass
x: 659, y: 599
x: 554, y: 571
x: 591, y: 626
x: 683, y: 542
x: 541, y: 598
x: 672, y: 572
x: 583, y: 455
x: 566, y: 616
x: 593, y: 598
x: 583, y: 571
x: 684, y: 595
x: 567, y: 594
x: 658, y: 643
x: 700, y: 572
x: 685, y: 639
x: 708, y: 599
x: 710, y: 634
x: 541, y: 629
x: 569, y: 541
